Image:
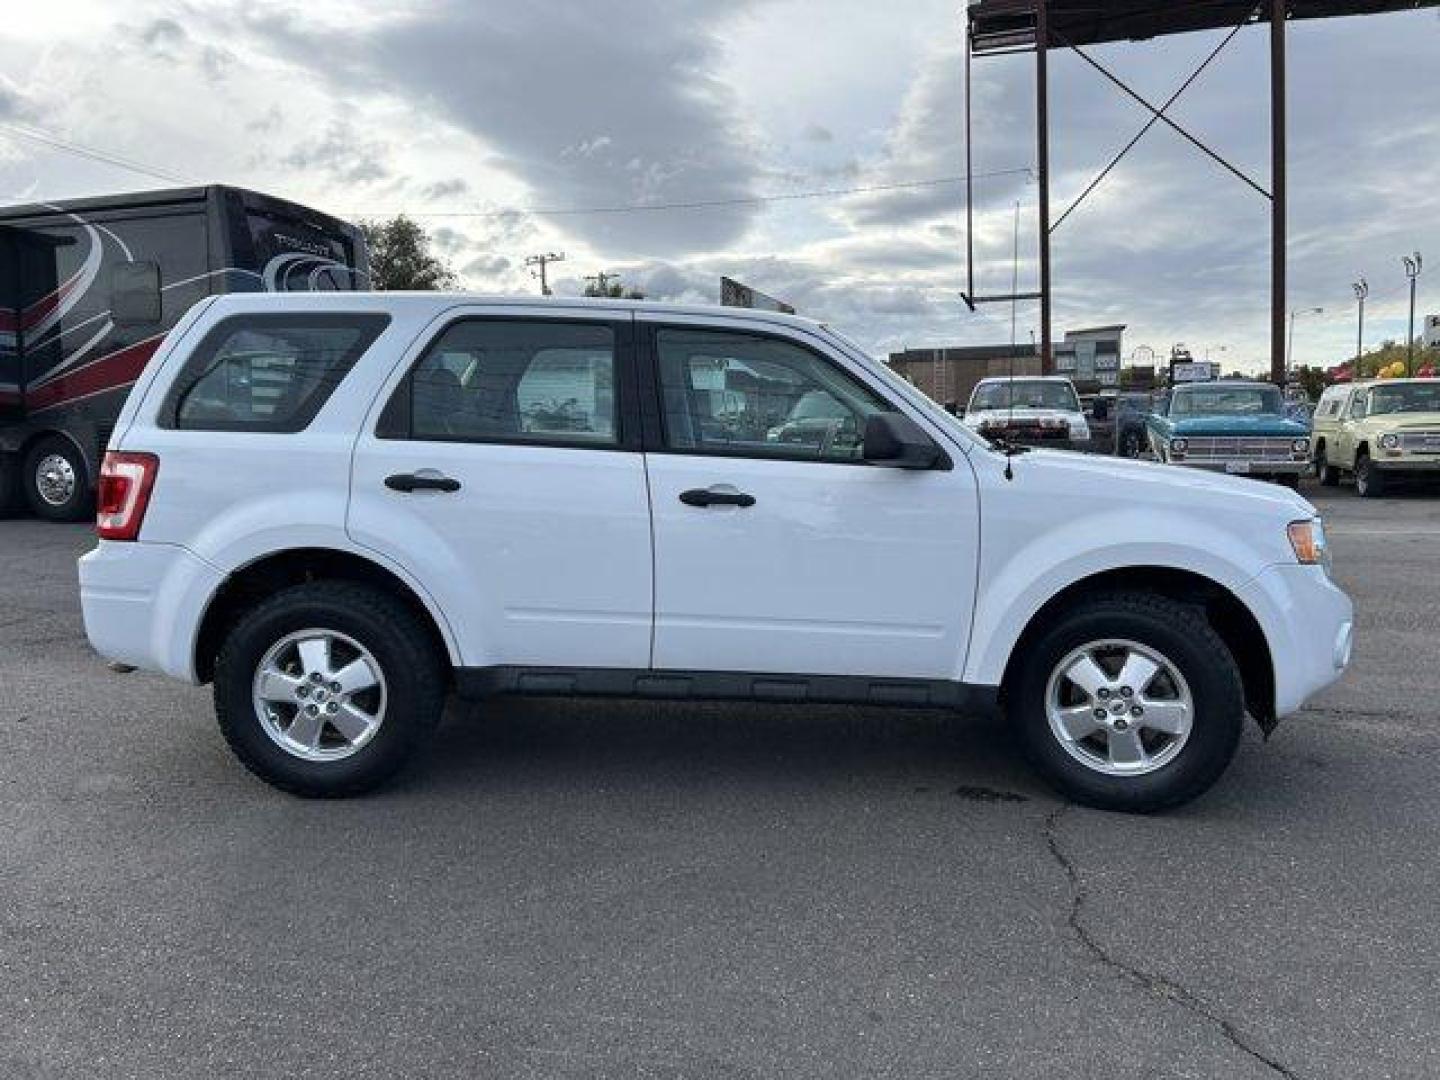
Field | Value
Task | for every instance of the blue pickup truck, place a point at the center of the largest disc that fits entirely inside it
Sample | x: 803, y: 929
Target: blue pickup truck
x: 1243, y: 428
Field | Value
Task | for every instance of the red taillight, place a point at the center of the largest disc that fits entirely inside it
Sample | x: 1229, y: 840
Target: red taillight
x: 124, y: 494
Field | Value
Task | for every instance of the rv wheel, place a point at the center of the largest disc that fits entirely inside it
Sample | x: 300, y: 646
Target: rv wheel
x: 56, y: 482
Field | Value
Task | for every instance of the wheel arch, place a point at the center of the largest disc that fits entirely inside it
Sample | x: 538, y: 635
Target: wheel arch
x: 1226, y: 613
x: 256, y: 580
x: 34, y: 438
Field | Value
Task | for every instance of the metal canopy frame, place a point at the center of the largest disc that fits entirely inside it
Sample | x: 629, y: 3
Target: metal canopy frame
x: 1006, y: 27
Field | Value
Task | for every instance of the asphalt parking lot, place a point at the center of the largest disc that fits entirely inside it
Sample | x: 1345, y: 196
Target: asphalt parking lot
x: 613, y: 889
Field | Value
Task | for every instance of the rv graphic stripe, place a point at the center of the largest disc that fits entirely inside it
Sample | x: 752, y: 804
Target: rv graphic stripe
x: 110, y: 372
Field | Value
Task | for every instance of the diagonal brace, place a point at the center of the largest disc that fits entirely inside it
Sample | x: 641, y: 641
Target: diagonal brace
x: 1160, y: 116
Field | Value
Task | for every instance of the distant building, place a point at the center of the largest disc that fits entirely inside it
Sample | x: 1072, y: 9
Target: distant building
x: 1091, y: 357
x: 948, y: 375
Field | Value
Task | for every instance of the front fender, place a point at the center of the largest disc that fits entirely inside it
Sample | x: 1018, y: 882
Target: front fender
x: 1052, y: 561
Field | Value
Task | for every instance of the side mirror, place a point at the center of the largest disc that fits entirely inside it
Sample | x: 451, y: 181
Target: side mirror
x: 894, y: 439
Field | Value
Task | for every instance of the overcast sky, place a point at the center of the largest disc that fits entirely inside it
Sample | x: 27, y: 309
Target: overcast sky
x: 475, y: 115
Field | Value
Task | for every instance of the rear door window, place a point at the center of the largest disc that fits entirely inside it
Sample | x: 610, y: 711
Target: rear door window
x: 267, y: 373
x: 511, y: 381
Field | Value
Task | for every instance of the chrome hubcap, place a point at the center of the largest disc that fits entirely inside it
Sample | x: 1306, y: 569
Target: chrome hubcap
x: 1119, y: 707
x: 319, y: 695
x: 55, y: 479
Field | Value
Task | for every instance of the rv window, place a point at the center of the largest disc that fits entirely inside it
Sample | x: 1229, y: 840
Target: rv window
x: 135, y: 293
x: 269, y: 373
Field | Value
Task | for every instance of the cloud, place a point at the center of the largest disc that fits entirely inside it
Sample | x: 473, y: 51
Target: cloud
x: 445, y: 189
x: 15, y: 104
x: 817, y: 133
x: 166, y: 39
x: 344, y: 153
x: 584, y: 112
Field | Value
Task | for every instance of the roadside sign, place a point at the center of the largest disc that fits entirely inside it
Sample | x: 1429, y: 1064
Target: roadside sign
x: 734, y: 294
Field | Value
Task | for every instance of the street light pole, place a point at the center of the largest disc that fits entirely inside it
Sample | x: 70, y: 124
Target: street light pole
x: 1362, y: 290
x: 1290, y: 341
x: 1413, y: 265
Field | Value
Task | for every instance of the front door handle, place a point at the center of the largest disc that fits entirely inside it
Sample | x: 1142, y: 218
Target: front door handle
x: 408, y: 482
x: 716, y: 497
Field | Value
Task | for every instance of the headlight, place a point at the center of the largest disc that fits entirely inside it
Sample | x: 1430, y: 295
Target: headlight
x: 1390, y: 442
x: 1308, y: 540
x: 1179, y: 446
x: 1301, y: 446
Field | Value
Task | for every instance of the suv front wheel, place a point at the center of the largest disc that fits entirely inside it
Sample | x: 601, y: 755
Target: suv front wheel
x: 1128, y: 701
x: 327, y: 688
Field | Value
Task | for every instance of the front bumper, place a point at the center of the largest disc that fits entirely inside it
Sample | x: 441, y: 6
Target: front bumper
x: 1309, y: 624
x: 1246, y: 468
x: 1409, y: 463
x: 143, y: 604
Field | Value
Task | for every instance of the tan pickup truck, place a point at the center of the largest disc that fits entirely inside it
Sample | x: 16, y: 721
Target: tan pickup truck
x: 1379, y: 430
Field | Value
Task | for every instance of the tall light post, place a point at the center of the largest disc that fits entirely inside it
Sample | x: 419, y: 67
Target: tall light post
x: 1362, y: 290
x: 1413, y: 265
x: 1290, y: 341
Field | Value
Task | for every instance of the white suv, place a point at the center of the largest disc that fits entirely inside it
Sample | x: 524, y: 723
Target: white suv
x: 340, y: 508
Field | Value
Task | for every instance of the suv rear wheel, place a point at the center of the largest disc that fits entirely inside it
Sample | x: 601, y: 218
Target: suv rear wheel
x: 1129, y: 701
x: 327, y: 688
x: 56, y: 482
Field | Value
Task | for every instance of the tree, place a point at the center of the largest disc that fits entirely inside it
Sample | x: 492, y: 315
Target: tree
x: 1311, y: 380
x: 608, y: 286
x: 400, y: 257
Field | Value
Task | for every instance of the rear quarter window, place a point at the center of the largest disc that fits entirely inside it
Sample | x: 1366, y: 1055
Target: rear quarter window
x: 267, y: 372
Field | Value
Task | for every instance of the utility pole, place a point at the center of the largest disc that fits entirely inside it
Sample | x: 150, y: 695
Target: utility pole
x: 601, y: 283
x: 1279, y: 11
x: 1042, y: 161
x: 1413, y: 265
x: 542, y: 261
x: 1362, y: 290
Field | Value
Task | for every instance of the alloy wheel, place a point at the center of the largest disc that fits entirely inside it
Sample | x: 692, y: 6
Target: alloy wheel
x: 1119, y: 707
x: 319, y: 695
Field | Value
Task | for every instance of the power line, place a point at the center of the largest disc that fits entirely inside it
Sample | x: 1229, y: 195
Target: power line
x: 55, y: 142
x: 702, y: 204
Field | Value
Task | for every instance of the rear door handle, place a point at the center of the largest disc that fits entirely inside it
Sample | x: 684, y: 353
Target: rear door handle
x: 716, y: 497
x: 408, y: 482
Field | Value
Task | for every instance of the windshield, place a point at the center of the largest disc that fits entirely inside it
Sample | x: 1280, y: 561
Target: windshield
x: 1405, y: 397
x: 1024, y: 394
x: 1227, y: 401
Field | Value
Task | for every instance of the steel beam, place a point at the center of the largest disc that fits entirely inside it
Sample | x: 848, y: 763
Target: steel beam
x: 1042, y: 155
x: 1278, y: 12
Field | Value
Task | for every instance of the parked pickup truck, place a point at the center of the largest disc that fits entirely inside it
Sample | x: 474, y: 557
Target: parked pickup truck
x: 1029, y: 410
x: 1380, y: 431
x: 1234, y: 427
x: 339, y: 509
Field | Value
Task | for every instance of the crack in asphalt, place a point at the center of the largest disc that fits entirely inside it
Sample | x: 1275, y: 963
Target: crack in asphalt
x: 1156, y: 985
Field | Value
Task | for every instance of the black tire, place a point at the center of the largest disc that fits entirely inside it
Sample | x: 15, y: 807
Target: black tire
x: 416, y: 679
x: 1328, y: 474
x: 1370, y: 482
x: 1289, y: 480
x: 78, y: 504
x: 1180, y: 633
x: 7, y: 483
x: 1130, y: 445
